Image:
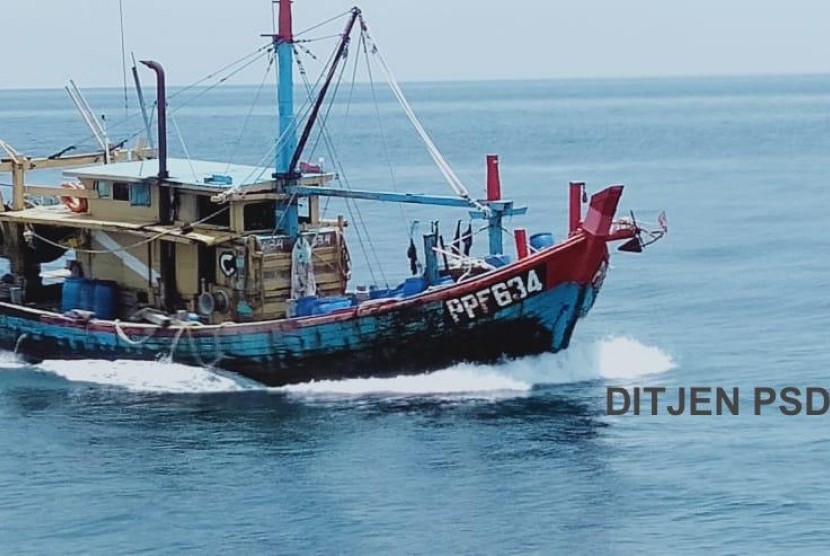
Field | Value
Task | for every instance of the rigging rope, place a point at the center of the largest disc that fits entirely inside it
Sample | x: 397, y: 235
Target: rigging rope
x: 311, y: 90
x: 217, y: 348
x: 250, y: 113
x: 141, y: 243
x: 318, y: 39
x: 351, y: 205
x: 248, y: 59
x: 255, y: 54
x: 259, y: 54
x: 130, y: 341
x: 305, y: 109
x: 404, y: 212
x: 324, y: 23
x: 447, y: 171
x: 184, y: 147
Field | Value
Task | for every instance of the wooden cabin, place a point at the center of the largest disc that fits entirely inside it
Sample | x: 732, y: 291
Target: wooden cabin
x: 225, y: 242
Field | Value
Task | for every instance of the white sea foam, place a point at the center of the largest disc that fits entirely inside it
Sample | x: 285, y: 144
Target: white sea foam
x: 148, y: 376
x: 625, y: 358
x: 10, y: 361
x: 611, y: 358
x: 458, y: 381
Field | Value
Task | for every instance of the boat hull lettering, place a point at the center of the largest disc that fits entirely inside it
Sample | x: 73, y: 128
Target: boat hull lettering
x: 486, y: 301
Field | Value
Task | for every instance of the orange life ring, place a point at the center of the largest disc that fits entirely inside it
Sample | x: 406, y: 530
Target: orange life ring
x: 75, y: 204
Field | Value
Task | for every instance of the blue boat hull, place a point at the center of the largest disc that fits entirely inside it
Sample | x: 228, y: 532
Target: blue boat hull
x: 414, y: 340
x: 528, y: 307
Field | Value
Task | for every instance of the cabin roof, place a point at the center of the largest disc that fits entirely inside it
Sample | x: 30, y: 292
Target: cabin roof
x: 59, y: 215
x: 189, y: 173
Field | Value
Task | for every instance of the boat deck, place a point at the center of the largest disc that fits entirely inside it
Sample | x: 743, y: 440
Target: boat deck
x: 61, y: 216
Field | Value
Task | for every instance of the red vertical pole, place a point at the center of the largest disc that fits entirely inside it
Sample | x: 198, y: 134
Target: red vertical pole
x: 520, y: 234
x: 575, y: 212
x: 285, y: 31
x: 493, y: 180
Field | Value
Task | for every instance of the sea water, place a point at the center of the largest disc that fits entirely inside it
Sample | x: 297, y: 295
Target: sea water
x: 99, y: 457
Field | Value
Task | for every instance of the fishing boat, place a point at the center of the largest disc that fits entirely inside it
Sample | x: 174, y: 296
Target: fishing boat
x: 236, y: 267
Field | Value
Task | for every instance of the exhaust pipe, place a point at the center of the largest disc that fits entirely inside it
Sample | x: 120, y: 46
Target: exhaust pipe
x: 161, y: 101
x: 169, y: 292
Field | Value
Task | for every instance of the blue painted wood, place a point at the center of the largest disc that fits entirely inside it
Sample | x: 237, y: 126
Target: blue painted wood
x: 499, y: 313
x: 382, y: 196
x: 287, y: 139
x: 414, y: 336
x: 495, y: 217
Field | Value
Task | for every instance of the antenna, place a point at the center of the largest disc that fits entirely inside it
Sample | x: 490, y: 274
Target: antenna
x: 143, y: 105
x: 88, y: 116
x: 123, y: 56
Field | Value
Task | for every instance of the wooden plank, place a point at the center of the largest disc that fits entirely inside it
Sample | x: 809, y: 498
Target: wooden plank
x: 18, y: 187
x: 322, y: 256
x: 187, y: 276
x: 61, y: 216
x: 284, y: 283
x: 274, y: 306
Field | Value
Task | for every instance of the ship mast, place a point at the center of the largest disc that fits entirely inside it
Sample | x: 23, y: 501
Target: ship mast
x: 284, y: 50
x: 287, y: 215
x: 289, y: 149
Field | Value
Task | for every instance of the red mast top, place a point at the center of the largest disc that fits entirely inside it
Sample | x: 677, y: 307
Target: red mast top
x: 285, y: 33
x: 493, y: 180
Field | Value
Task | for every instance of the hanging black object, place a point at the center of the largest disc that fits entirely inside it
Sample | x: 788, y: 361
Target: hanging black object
x: 468, y: 240
x: 444, y: 253
x: 456, y: 241
x: 634, y: 245
x: 412, y: 253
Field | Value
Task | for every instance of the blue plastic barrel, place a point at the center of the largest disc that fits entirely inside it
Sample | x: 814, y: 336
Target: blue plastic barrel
x: 86, y: 295
x: 71, y: 293
x: 305, y: 306
x: 326, y: 305
x: 414, y: 286
x: 105, y: 299
x: 542, y: 240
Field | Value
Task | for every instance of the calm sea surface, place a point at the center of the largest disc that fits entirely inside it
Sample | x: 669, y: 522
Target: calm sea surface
x: 102, y: 458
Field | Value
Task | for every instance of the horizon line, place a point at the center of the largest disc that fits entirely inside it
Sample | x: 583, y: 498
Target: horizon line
x: 645, y: 77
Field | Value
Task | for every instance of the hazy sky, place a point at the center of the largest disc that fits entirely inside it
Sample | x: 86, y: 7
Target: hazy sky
x: 44, y: 42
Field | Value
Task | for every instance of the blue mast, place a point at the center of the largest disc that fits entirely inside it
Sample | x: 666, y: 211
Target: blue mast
x: 284, y: 48
x: 287, y: 215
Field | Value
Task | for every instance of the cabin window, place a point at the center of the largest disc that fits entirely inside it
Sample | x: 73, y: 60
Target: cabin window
x: 213, y: 213
x: 140, y: 195
x: 259, y: 216
x: 121, y: 191
x: 104, y: 189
